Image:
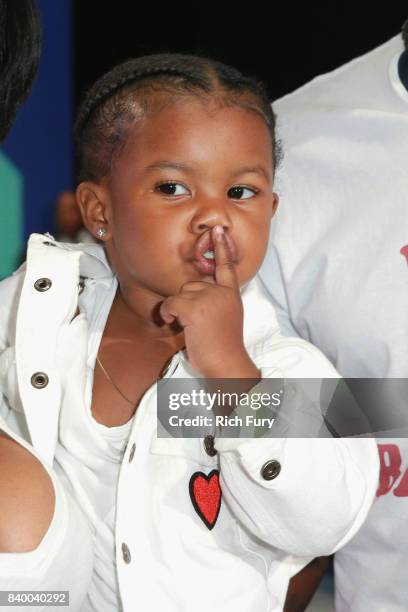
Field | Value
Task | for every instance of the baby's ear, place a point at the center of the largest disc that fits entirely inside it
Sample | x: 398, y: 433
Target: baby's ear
x: 274, y: 203
x: 93, y: 203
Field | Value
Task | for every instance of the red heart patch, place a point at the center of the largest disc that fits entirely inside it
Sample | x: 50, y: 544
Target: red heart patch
x: 205, y: 494
x: 404, y: 252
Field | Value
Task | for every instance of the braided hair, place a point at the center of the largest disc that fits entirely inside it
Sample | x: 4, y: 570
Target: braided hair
x: 140, y: 86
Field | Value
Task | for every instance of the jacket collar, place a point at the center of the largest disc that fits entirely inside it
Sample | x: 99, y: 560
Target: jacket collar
x: 93, y: 261
x: 260, y: 319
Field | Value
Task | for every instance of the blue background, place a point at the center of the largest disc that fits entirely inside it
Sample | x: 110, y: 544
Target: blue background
x: 41, y: 144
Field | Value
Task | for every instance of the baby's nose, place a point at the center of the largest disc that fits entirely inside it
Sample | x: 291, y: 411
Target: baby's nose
x: 205, y: 218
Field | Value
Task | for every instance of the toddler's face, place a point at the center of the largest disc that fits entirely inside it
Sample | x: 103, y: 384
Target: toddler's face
x: 181, y: 172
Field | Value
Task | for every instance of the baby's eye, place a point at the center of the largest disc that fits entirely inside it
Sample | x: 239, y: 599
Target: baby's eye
x: 239, y: 192
x: 172, y: 188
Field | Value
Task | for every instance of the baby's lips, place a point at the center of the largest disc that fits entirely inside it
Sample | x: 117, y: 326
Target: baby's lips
x: 205, y: 243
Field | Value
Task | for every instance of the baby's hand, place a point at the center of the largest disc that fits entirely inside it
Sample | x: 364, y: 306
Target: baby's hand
x: 212, y: 317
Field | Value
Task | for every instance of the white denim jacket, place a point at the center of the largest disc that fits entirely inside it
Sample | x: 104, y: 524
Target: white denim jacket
x: 168, y: 557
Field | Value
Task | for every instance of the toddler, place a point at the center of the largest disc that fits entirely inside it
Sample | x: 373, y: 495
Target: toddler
x: 177, y: 157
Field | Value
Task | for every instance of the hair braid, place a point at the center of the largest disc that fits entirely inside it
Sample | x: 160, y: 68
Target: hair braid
x: 130, y: 72
x: 106, y: 112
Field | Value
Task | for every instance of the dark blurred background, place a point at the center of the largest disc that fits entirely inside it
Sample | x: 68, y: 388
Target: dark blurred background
x: 283, y: 44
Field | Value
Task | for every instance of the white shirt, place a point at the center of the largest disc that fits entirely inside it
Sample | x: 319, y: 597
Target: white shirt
x: 88, y: 454
x: 167, y: 558
x: 337, y: 277
x: 334, y: 267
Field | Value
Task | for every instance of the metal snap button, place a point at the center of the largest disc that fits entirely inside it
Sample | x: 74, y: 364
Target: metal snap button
x: 132, y: 452
x: 209, y: 445
x: 39, y: 380
x: 42, y: 284
x: 270, y: 469
x: 126, y: 553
